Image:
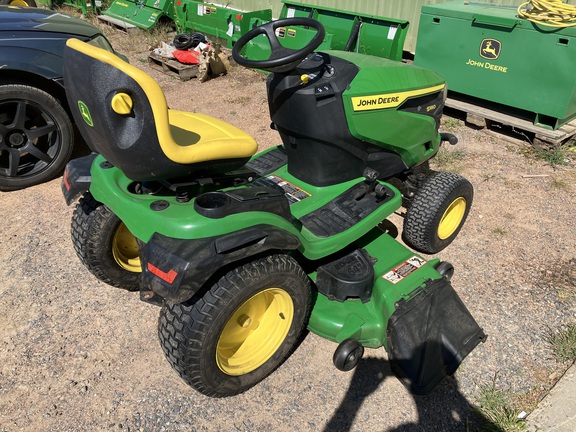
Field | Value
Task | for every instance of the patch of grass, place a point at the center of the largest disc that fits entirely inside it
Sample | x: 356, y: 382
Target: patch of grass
x: 563, y: 343
x: 557, y: 156
x: 498, y: 412
x: 558, y: 183
x: 241, y: 99
x: 488, y: 176
x: 450, y: 123
x: 499, y: 231
x: 553, y: 157
x: 561, y: 277
x: 448, y: 160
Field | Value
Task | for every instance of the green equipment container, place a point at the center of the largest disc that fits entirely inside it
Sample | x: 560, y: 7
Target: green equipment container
x: 489, y: 56
x: 351, y: 31
x: 345, y: 31
x: 219, y: 21
x: 138, y: 13
x: 85, y: 6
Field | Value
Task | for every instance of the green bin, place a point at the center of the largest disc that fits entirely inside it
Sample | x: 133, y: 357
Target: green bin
x: 488, y: 55
x: 222, y: 22
x: 345, y: 31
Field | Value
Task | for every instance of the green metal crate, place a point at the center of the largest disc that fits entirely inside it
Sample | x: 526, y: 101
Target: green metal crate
x: 377, y: 36
x: 486, y: 52
x: 222, y: 22
x: 85, y: 6
x: 345, y: 31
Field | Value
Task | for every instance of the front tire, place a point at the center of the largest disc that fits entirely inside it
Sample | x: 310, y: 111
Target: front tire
x: 36, y: 137
x: 241, y: 330
x: 437, y: 212
x: 104, y: 244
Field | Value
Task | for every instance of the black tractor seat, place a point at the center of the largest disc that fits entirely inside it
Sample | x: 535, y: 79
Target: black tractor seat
x: 122, y: 114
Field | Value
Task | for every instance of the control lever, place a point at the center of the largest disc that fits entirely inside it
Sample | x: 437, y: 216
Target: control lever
x: 451, y: 138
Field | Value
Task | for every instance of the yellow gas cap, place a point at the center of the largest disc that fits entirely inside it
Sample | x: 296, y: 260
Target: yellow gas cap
x: 122, y: 103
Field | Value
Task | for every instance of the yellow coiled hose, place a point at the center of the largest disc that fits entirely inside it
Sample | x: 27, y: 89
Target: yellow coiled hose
x: 550, y: 13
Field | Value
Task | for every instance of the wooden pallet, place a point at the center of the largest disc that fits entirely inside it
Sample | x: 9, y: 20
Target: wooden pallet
x: 172, y: 67
x: 480, y: 116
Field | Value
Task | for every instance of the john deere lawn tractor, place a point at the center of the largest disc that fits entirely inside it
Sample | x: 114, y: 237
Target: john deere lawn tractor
x: 243, y: 251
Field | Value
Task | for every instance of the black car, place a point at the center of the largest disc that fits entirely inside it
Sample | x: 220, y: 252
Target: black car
x: 36, y: 133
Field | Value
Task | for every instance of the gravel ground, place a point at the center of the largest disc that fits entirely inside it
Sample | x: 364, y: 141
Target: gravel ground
x: 77, y: 354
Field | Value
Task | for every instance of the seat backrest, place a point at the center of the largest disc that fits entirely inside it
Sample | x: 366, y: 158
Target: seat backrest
x: 122, y: 114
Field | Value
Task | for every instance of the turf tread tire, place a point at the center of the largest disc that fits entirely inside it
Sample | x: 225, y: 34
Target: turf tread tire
x: 427, y: 208
x: 93, y: 226
x: 188, y: 333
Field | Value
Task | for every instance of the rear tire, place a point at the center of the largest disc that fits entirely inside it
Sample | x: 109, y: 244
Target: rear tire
x: 241, y: 330
x: 104, y: 244
x: 437, y: 212
x: 23, y: 3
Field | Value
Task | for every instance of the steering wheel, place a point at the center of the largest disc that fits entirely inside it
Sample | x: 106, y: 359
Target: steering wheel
x: 281, y: 59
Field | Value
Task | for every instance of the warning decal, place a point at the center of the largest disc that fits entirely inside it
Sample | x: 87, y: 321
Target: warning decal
x: 403, y: 270
x: 292, y: 192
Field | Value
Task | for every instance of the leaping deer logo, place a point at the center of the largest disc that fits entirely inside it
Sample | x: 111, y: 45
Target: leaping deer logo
x: 490, y: 49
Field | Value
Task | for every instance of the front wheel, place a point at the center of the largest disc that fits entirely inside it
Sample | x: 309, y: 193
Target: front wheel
x: 104, y: 244
x: 437, y: 212
x: 241, y: 330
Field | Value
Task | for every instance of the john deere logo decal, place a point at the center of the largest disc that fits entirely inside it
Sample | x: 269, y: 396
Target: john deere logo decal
x: 85, y: 113
x: 490, y: 49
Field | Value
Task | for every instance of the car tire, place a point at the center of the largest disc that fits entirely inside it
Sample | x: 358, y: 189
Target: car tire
x: 36, y: 137
x: 241, y: 329
x: 104, y: 244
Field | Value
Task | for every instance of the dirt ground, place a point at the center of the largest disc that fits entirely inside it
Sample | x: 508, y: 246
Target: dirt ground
x: 77, y: 354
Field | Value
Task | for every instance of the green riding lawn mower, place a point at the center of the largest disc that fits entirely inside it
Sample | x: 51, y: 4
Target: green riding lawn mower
x: 244, y: 251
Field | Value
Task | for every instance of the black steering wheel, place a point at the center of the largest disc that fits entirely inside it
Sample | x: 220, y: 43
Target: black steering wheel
x: 281, y: 59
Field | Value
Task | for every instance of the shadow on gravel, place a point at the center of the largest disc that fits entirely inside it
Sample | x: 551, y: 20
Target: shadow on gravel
x: 445, y: 409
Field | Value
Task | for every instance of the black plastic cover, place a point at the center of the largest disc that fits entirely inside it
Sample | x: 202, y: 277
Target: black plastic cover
x: 217, y: 205
x: 429, y: 335
x: 77, y: 178
x: 346, y: 210
x: 175, y: 269
x: 311, y: 121
x: 351, y: 276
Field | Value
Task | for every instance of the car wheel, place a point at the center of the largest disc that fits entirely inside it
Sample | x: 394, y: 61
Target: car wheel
x: 437, y: 212
x: 23, y: 3
x: 104, y: 245
x: 36, y: 137
x: 241, y: 330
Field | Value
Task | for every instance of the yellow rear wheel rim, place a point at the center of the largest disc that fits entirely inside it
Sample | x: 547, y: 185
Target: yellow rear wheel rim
x: 254, y: 332
x: 19, y: 3
x: 452, y: 218
x: 125, y: 250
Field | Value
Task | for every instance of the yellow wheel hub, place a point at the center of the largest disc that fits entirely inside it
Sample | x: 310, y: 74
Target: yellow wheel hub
x: 254, y: 332
x: 452, y: 218
x: 19, y: 3
x: 125, y: 250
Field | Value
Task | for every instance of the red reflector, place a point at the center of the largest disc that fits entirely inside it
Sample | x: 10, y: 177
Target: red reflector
x: 168, y: 277
x: 239, y: 17
x: 179, y: 3
x: 65, y: 179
